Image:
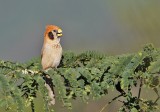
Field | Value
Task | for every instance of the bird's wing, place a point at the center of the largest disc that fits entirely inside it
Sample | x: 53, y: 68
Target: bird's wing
x: 46, y: 58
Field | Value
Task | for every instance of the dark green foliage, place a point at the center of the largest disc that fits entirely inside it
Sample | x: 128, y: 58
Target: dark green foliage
x: 86, y: 75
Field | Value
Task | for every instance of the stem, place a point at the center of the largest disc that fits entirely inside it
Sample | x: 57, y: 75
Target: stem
x: 32, y: 106
x: 140, y: 87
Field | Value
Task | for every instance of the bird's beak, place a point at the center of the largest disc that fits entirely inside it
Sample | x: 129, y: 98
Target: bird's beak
x: 59, y: 34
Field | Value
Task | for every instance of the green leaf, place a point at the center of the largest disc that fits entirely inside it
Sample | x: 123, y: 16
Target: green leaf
x: 134, y: 110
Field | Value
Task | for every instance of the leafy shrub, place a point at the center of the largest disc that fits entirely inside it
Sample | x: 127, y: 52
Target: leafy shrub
x: 86, y: 75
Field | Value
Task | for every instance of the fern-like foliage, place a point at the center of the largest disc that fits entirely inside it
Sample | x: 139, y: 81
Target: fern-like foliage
x: 86, y: 75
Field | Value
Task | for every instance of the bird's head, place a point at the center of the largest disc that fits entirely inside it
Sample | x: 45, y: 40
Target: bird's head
x: 52, y: 34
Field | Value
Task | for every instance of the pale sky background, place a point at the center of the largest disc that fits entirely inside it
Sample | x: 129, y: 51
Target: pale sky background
x: 87, y: 25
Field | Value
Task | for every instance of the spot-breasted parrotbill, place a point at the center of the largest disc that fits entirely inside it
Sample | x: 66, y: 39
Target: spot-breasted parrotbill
x: 51, y: 50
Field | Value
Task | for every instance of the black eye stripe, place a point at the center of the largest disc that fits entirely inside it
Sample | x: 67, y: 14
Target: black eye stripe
x: 50, y: 35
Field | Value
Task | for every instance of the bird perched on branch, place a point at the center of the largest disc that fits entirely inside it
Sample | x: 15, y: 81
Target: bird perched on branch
x: 51, y: 55
x: 52, y: 50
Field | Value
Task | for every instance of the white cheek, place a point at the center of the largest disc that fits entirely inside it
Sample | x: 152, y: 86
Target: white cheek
x: 59, y: 39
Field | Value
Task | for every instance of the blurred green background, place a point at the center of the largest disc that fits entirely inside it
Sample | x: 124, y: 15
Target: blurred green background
x: 110, y: 26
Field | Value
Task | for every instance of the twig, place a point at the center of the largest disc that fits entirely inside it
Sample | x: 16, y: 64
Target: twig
x: 156, y: 100
x: 110, y: 102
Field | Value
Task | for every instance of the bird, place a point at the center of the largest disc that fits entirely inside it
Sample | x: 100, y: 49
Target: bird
x: 51, y: 55
x: 51, y: 50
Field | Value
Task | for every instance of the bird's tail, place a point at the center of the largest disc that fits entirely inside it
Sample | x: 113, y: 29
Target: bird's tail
x: 50, y: 87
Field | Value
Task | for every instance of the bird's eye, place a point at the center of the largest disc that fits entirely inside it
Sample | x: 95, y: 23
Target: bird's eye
x: 50, y: 35
x: 55, y: 31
